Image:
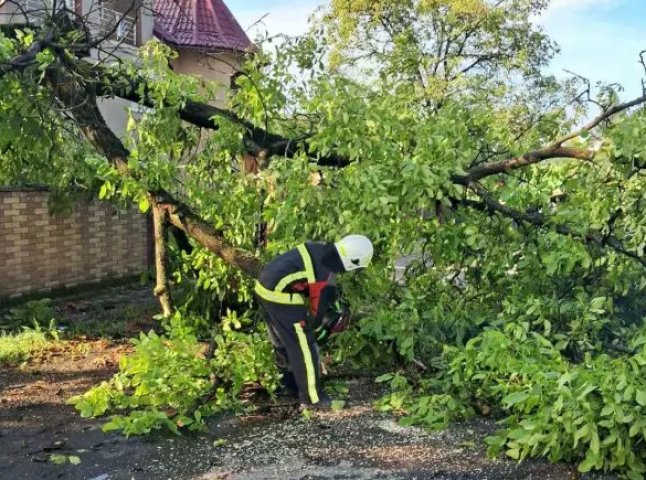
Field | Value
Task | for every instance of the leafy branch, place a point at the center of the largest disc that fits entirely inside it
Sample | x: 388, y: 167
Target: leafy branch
x: 490, y: 205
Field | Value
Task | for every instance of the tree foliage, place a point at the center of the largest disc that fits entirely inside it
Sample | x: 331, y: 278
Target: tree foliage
x: 432, y: 130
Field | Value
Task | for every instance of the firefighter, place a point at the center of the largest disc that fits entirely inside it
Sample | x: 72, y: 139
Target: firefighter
x: 298, y: 293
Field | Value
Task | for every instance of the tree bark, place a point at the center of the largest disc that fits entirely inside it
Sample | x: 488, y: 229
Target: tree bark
x: 162, y: 288
x: 77, y: 84
x: 210, y: 238
x: 81, y: 104
x: 491, y: 205
x: 478, y: 173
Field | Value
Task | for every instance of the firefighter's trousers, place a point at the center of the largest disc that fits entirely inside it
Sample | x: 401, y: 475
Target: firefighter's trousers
x: 295, y: 347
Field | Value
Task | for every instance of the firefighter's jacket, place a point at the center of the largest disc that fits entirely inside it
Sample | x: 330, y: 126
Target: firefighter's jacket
x: 300, y: 277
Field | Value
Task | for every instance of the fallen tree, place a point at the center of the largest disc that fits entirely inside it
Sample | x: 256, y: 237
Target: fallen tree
x: 428, y: 137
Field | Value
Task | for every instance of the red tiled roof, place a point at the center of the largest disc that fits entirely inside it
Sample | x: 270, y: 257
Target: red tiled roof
x: 199, y: 24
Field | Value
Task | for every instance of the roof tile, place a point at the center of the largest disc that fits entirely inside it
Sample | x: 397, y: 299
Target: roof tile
x: 206, y: 25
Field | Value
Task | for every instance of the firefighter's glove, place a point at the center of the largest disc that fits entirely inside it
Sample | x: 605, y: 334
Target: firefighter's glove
x: 335, y: 320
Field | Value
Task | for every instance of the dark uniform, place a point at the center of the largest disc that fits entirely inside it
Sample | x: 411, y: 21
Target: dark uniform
x: 296, y: 289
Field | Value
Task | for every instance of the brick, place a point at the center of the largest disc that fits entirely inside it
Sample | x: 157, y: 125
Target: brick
x: 10, y: 260
x: 10, y: 200
x: 42, y: 252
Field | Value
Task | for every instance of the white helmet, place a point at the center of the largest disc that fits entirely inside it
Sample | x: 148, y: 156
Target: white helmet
x: 355, y: 251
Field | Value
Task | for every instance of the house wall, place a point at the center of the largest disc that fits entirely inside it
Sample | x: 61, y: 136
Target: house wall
x: 115, y: 110
x: 115, y: 113
x: 213, y: 67
x: 12, y: 12
x: 217, y: 68
x: 41, y: 252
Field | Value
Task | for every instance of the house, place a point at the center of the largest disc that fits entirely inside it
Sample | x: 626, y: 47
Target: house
x: 93, y: 244
x: 209, y: 40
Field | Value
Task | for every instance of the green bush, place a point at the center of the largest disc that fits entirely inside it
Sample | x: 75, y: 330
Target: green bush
x: 18, y: 347
x: 593, y: 413
x: 168, y: 382
x: 33, y: 312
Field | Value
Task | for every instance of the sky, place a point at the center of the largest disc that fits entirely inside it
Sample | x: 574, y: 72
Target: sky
x: 599, y: 39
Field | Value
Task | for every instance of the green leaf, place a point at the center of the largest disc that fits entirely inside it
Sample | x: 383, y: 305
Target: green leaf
x: 407, y: 421
x: 220, y: 442
x: 635, y: 428
x: 586, y: 465
x: 640, y: 397
x: 513, y: 453
x: 307, y: 414
x: 386, y: 377
x: 514, y: 398
x: 634, y: 475
x: 144, y: 205
x: 495, y: 440
x: 590, y: 462
x: 594, y: 442
x: 58, y: 459
x: 337, y: 405
x: 74, y: 460
x: 581, y: 432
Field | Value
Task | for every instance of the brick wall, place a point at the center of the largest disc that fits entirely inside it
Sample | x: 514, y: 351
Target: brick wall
x: 40, y: 252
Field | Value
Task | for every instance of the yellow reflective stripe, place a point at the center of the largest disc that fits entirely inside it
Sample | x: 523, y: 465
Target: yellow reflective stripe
x: 278, y: 297
x: 289, y: 279
x: 309, y: 364
x: 307, y: 263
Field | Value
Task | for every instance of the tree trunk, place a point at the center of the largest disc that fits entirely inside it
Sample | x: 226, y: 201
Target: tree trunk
x: 162, y: 290
x: 81, y: 103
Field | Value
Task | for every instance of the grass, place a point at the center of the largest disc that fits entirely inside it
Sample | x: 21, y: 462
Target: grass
x: 18, y: 340
x: 34, y: 326
x: 114, y: 323
x: 105, y: 317
x: 18, y: 347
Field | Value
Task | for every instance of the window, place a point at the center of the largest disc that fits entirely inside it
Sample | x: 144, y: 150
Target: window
x: 122, y: 30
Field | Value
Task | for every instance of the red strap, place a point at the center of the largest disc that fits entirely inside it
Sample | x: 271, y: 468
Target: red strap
x: 315, y: 295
